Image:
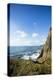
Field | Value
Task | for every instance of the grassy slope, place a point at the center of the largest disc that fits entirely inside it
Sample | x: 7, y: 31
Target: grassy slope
x: 22, y: 67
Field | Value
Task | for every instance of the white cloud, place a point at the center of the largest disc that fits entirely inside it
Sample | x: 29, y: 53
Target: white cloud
x: 34, y: 34
x: 22, y: 38
x: 21, y: 33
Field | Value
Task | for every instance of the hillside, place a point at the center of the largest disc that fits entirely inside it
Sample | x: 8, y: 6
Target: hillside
x: 20, y: 67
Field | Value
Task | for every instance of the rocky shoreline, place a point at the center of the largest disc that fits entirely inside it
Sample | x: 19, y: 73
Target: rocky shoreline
x: 42, y: 65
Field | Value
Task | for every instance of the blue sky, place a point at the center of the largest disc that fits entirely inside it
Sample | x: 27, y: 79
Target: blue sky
x: 29, y: 24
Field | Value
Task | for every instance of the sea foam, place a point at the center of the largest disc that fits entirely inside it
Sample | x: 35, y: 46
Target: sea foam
x: 32, y: 57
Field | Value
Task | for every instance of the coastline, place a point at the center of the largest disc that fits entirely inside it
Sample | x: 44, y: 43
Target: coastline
x: 21, y: 67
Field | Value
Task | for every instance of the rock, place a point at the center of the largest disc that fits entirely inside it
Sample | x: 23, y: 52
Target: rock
x: 46, y: 50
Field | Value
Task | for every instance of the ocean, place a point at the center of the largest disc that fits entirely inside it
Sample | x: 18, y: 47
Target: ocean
x: 24, y: 52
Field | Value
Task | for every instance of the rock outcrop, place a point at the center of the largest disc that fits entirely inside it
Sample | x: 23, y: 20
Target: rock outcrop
x: 46, y: 50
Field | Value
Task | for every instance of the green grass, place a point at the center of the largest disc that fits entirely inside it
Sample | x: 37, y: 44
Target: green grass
x: 20, y: 67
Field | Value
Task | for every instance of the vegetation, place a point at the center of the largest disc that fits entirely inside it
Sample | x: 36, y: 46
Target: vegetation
x: 22, y: 67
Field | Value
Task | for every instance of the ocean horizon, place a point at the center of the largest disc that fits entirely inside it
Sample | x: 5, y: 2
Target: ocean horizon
x: 24, y: 52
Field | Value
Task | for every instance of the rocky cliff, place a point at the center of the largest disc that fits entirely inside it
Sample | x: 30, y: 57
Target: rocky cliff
x: 46, y: 50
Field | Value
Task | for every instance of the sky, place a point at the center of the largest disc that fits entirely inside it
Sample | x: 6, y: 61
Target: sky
x: 29, y: 24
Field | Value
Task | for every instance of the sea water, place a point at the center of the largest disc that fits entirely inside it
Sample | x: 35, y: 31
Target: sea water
x: 24, y: 52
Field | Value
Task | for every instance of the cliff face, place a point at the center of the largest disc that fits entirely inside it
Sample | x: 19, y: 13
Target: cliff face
x: 46, y: 50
